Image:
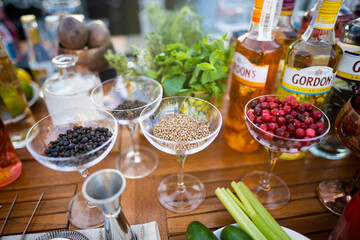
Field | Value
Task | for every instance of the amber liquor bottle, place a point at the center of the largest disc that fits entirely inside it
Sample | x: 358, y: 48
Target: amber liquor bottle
x: 255, y: 65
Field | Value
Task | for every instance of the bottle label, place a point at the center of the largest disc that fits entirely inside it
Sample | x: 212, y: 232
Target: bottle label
x: 327, y: 14
x: 314, y: 80
x: 349, y: 67
x: 287, y: 7
x: 267, y: 20
x: 247, y: 73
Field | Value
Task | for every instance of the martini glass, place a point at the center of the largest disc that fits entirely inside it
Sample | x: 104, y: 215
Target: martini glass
x: 270, y: 189
x: 335, y: 194
x: 181, y: 192
x: 136, y: 161
x: 81, y: 213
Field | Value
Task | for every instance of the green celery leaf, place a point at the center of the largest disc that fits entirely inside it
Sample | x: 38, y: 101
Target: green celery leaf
x: 173, y: 84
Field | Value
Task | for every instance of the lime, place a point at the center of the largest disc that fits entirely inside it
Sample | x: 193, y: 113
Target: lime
x: 27, y: 89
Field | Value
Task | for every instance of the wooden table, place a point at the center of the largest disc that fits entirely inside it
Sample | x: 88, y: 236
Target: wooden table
x: 216, y: 166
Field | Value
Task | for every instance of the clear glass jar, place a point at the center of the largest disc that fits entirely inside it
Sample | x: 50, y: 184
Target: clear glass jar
x: 68, y: 88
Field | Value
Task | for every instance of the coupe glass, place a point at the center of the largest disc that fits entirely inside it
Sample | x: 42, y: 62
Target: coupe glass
x: 181, y: 192
x: 335, y: 194
x: 270, y: 189
x: 81, y: 213
x: 135, y: 162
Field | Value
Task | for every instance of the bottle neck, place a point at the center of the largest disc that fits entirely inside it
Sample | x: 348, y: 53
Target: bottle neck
x: 263, y: 19
x: 285, y: 20
x: 32, y: 32
x: 323, y: 21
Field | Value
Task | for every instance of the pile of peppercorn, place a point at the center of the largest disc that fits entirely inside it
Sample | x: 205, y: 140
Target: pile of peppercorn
x: 78, y: 141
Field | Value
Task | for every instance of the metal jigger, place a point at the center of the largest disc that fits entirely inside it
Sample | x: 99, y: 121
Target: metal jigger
x: 104, y: 188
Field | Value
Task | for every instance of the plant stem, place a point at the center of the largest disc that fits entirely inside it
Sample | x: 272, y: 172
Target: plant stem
x: 180, y: 173
x: 273, y: 157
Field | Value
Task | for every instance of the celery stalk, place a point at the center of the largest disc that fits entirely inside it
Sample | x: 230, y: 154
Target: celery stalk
x: 259, y: 208
x: 254, y: 216
x: 240, y: 217
x: 237, y: 201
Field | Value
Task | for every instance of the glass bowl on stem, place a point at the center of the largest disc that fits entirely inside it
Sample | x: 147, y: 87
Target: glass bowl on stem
x: 270, y: 189
x: 81, y: 213
x: 125, y: 98
x: 181, y: 192
x: 335, y: 194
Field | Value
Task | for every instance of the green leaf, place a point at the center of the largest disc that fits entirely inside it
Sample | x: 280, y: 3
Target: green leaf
x: 172, y: 85
x: 217, y: 56
x: 152, y: 73
x: 175, y: 70
x: 176, y: 46
x: 204, y: 66
x: 181, y: 56
x: 197, y: 87
x: 222, y: 72
x: 206, y: 77
x: 190, y: 64
x: 194, y: 77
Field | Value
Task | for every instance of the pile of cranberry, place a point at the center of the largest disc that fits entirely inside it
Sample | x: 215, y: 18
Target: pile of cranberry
x: 287, y: 119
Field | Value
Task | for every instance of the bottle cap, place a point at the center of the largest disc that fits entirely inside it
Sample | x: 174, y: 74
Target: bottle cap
x: 350, y: 34
x: 27, y: 18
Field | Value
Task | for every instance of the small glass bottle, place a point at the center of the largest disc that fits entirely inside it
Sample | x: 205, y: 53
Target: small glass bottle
x: 255, y: 64
x: 312, y: 60
x: 346, y: 84
x: 68, y: 88
x: 286, y: 33
x: 38, y: 56
x: 14, y: 109
x: 344, y: 16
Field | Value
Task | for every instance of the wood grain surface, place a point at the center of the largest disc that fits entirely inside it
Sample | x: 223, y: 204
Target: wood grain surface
x: 216, y: 166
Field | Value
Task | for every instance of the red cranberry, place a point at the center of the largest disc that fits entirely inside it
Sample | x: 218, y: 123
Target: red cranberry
x: 263, y: 127
x: 303, y: 125
x: 274, y: 112
x: 290, y: 98
x: 273, y: 105
x: 266, y: 111
x: 297, y: 144
x: 313, y: 126
x: 270, y: 99
x: 308, y: 120
x: 301, y: 117
x: 297, y: 123
x: 290, y: 128
x: 272, y: 126
x: 282, y: 113
x: 283, y: 127
x: 321, y: 125
x: 258, y: 120
x: 268, y: 135
x: 307, y: 114
x: 273, y: 119
x: 299, y: 133
x: 254, y: 103
x: 320, y: 131
x: 317, y: 114
x: 309, y: 107
x: 294, y: 103
x: 250, y: 112
x: 277, y: 100
x: 251, y: 117
x: 281, y: 120
x: 257, y: 111
x: 265, y: 105
x: 266, y: 117
x: 262, y: 99
x: 310, y: 133
x: 294, y: 114
x: 289, y: 118
x: 287, y: 134
x: 285, y: 102
x: 301, y: 108
x: 280, y: 132
x: 287, y: 109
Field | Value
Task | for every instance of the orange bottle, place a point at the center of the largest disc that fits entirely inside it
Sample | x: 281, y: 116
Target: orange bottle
x: 255, y: 65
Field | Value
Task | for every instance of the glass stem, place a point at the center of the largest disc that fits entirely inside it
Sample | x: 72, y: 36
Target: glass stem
x: 180, y: 174
x: 119, y: 137
x: 132, y: 129
x: 273, y: 157
x: 84, y: 173
x: 353, y: 182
